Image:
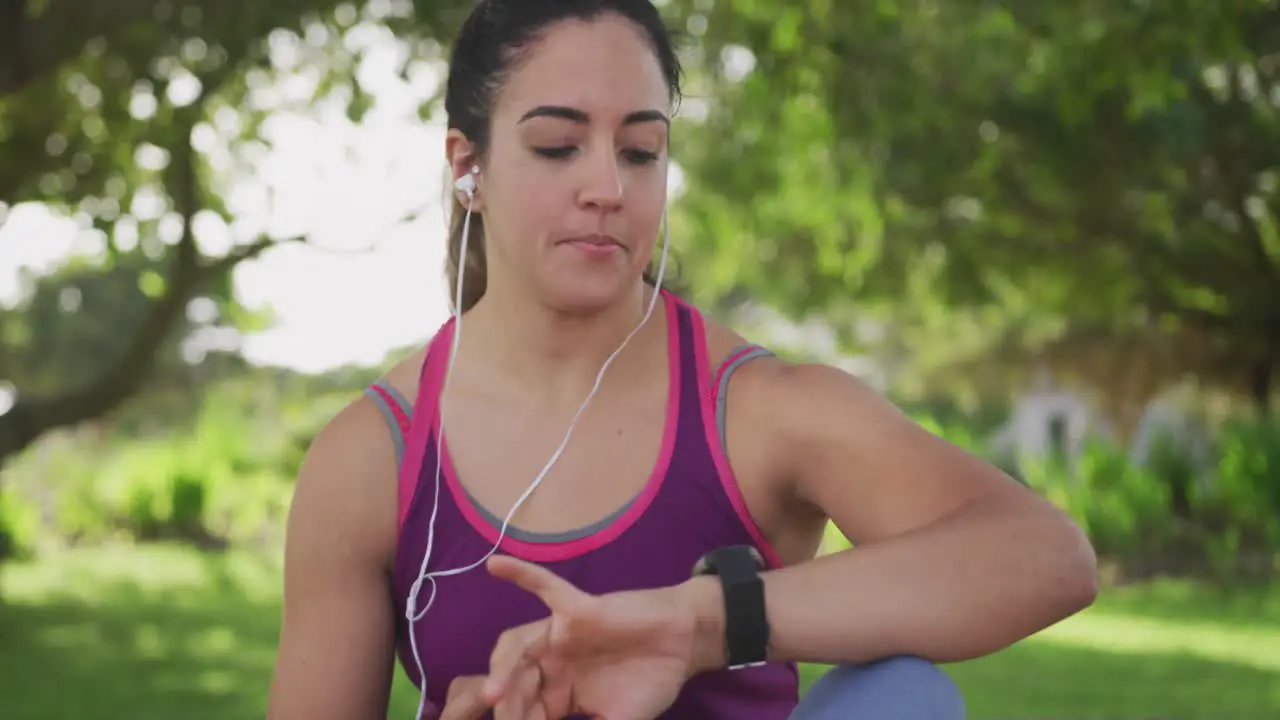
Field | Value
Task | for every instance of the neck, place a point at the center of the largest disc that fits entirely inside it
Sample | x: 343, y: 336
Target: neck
x: 538, y: 347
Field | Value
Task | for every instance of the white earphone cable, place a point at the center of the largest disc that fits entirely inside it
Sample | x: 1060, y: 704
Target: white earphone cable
x: 467, y: 185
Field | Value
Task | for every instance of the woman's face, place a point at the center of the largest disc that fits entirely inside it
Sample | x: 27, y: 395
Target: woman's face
x: 573, y: 185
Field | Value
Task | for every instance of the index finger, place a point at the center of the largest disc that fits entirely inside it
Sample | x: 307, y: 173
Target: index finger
x: 556, y: 592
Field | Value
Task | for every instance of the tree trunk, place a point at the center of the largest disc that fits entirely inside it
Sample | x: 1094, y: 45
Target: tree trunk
x: 1261, y: 387
x: 32, y: 417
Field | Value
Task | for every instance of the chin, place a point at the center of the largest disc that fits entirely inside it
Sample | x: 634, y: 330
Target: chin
x: 591, y: 296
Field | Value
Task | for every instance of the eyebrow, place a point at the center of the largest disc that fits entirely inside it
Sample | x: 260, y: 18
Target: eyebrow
x: 579, y: 116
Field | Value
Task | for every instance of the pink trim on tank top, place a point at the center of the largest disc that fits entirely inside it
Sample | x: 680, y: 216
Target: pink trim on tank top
x: 728, y: 480
x: 554, y: 552
x: 724, y: 367
x: 402, y: 420
x: 429, y: 382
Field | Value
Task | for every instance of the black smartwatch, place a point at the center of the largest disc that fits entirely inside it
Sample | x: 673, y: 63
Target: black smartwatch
x: 746, y: 626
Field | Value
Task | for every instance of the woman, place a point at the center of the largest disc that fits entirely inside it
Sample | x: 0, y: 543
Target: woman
x: 558, y: 114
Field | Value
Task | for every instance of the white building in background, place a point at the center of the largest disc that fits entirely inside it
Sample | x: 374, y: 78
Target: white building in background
x: 1048, y: 420
x: 1052, y: 420
x: 1162, y: 418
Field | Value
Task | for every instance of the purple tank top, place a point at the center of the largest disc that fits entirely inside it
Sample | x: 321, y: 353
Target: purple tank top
x: 690, y: 506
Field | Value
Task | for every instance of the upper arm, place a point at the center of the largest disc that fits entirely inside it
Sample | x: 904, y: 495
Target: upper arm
x: 845, y: 449
x: 336, y: 654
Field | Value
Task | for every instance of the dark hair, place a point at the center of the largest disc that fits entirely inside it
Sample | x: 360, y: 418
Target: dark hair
x: 489, y: 46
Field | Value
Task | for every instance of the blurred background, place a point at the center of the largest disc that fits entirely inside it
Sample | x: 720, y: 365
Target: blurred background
x: 1049, y: 232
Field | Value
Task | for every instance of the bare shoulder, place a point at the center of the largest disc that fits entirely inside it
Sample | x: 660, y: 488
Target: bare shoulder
x: 841, y: 446
x: 754, y: 384
x: 793, y: 528
x: 751, y: 384
x: 348, y: 479
x: 339, y: 550
x: 346, y: 488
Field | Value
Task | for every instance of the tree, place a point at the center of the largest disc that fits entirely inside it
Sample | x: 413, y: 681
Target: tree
x: 101, y: 107
x: 1063, y: 176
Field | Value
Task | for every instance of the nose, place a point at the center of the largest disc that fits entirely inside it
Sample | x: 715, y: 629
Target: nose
x: 602, y: 184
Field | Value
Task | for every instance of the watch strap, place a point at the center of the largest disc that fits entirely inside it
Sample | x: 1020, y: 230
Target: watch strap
x: 746, y: 622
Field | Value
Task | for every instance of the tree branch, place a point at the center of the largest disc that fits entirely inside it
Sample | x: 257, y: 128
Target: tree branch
x: 187, y: 275
x: 64, y: 27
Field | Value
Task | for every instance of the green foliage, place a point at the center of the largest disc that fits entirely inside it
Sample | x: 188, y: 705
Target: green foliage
x: 1172, y: 515
x: 226, y: 478
x: 19, y: 525
x: 1244, y: 505
x: 1123, y: 508
x: 1224, y: 522
x: 1110, y: 166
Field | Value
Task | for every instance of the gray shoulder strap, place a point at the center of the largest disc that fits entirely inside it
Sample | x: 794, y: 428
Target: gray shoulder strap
x: 720, y: 382
x: 396, y: 410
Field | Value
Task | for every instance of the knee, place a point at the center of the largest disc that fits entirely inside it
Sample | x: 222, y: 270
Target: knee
x: 896, y: 688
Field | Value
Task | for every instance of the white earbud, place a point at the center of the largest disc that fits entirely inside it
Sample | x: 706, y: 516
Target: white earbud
x: 467, y: 183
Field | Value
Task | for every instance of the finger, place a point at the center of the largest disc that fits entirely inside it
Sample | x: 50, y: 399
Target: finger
x: 552, y: 589
x: 556, y: 693
x: 521, y: 699
x: 516, y: 650
x: 464, y: 701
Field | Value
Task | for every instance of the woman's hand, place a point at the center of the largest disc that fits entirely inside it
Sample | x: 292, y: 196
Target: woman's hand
x: 466, y: 700
x: 620, y: 656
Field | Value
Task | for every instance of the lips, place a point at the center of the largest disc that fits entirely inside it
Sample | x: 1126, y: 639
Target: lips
x: 595, y: 240
x: 595, y: 247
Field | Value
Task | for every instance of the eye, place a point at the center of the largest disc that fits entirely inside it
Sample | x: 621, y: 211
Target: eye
x: 555, y: 153
x: 640, y: 157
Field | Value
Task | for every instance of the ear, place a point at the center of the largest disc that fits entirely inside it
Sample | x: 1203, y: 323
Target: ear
x: 462, y: 159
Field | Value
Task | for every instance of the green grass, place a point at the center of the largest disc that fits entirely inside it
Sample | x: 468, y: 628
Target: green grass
x: 164, y: 632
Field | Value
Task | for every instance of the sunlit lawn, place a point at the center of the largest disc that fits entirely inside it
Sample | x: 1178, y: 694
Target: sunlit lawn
x: 168, y: 633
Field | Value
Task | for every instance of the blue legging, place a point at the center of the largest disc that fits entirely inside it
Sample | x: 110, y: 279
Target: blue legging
x: 896, y: 688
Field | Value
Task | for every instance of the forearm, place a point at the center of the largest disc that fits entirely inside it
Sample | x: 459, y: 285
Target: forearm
x: 963, y: 587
